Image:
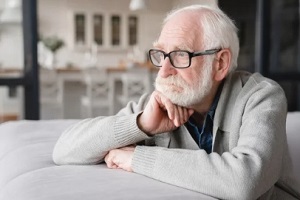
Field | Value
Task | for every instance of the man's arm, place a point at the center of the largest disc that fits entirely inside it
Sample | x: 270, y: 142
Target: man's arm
x: 88, y: 141
x: 246, y: 172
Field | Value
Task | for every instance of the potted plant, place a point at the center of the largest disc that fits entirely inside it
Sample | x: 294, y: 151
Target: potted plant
x: 53, y: 44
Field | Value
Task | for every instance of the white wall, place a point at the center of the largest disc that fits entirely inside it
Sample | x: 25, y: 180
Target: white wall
x: 180, y: 3
x: 11, y: 46
x: 11, y: 43
x: 55, y: 18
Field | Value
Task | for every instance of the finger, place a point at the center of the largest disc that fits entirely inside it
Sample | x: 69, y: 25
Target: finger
x: 106, y: 157
x: 190, y: 111
x: 178, y: 114
x: 184, y: 115
x: 108, y: 160
x: 177, y: 117
x: 128, y: 148
x: 171, y: 109
x: 165, y: 104
x: 114, y: 166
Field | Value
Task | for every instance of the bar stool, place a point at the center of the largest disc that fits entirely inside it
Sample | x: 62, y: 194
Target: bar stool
x: 51, y: 94
x: 96, y: 93
x: 135, y: 82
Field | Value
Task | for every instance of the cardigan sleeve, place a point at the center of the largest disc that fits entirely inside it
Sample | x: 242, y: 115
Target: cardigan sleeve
x: 246, y: 171
x: 88, y: 141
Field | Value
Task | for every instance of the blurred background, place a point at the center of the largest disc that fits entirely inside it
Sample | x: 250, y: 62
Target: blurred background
x: 67, y: 59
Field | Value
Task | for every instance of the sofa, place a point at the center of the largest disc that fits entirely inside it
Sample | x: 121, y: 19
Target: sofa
x: 27, y: 171
x: 293, y: 139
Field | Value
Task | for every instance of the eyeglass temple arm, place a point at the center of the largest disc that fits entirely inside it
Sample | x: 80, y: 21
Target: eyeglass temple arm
x: 208, y: 52
x: 211, y: 51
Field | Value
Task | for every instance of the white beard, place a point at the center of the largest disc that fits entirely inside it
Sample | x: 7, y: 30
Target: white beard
x: 182, y: 93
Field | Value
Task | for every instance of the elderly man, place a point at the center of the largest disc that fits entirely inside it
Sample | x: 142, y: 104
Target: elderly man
x: 206, y: 127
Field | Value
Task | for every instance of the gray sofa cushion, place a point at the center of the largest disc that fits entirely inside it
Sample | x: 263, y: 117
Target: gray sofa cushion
x: 27, y: 171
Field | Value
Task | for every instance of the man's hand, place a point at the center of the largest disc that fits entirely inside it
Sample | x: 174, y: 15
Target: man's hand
x: 161, y: 115
x: 120, y: 158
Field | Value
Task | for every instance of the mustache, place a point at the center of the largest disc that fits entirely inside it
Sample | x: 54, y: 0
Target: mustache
x: 171, y: 80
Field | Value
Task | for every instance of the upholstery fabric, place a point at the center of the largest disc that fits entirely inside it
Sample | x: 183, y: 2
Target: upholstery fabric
x: 27, y: 171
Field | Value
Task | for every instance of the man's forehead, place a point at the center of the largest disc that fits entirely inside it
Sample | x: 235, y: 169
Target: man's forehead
x: 179, y: 35
x: 176, y: 42
x: 166, y: 46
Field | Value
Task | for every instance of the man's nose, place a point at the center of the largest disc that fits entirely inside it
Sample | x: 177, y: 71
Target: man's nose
x: 166, y: 69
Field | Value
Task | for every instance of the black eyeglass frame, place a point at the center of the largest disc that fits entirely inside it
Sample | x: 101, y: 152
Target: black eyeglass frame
x: 191, y: 55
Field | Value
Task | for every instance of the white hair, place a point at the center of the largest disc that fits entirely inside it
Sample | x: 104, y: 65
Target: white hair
x: 218, y: 29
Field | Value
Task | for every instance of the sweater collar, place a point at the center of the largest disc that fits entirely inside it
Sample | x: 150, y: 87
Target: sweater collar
x: 225, y: 108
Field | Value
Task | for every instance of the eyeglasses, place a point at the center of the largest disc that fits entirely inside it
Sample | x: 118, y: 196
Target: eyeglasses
x: 178, y: 58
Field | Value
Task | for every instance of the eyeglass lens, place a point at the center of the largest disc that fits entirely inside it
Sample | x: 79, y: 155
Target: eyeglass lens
x: 179, y: 59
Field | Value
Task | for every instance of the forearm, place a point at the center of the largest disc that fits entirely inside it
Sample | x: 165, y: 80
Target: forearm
x: 88, y: 141
x: 222, y: 176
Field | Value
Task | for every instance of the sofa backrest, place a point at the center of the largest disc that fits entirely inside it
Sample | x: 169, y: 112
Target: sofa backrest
x: 293, y: 140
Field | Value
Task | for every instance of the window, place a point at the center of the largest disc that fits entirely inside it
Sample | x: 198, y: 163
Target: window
x: 115, y: 30
x: 98, y: 29
x: 80, y: 28
x: 132, y: 30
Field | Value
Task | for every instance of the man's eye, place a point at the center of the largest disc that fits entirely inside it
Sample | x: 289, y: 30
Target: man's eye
x: 181, y: 54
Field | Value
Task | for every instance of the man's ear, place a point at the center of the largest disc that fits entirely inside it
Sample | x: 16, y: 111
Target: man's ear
x: 222, y: 64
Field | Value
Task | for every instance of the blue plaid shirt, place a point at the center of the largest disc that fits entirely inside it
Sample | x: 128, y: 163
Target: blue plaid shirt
x: 203, y: 134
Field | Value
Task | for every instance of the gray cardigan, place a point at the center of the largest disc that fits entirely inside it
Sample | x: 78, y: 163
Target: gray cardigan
x: 250, y: 159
